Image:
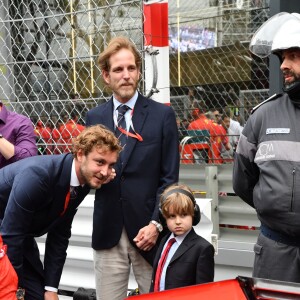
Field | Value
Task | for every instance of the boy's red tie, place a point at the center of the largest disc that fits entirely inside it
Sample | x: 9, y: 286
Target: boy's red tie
x: 161, y: 264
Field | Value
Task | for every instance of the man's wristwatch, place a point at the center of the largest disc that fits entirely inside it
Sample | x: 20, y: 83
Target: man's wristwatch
x: 20, y: 294
x: 158, y: 225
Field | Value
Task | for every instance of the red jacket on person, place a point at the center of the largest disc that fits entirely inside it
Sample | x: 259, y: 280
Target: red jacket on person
x: 68, y: 131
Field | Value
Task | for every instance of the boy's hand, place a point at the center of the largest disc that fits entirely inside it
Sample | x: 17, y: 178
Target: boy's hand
x: 146, y: 238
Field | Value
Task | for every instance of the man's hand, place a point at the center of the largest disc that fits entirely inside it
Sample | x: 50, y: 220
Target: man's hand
x: 50, y: 296
x: 146, y: 238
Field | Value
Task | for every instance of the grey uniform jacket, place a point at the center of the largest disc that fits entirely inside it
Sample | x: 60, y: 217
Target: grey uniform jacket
x: 266, y: 171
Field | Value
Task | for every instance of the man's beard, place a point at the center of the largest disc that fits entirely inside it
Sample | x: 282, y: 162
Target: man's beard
x: 87, y: 177
x: 292, y: 88
x: 290, y: 84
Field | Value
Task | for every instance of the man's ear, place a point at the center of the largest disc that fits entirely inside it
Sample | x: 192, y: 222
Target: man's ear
x: 79, y: 155
x: 106, y: 77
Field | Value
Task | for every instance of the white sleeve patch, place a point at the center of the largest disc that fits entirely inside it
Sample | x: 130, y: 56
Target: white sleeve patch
x: 277, y: 130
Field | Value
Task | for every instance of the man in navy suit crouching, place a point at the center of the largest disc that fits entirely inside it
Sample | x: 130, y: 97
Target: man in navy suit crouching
x: 40, y: 195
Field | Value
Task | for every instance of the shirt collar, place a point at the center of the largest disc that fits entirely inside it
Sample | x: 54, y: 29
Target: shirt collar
x: 179, y: 238
x: 74, y: 179
x: 130, y: 103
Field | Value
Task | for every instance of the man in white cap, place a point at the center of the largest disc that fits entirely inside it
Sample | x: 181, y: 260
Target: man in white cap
x: 267, y: 161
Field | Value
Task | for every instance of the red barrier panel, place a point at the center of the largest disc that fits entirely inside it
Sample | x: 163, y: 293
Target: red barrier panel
x: 225, y: 290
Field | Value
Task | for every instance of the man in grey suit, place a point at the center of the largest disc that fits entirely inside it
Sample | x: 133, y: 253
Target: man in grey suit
x: 37, y: 197
x: 126, y: 219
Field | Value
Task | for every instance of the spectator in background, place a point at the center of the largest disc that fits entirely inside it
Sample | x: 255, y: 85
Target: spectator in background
x: 209, y: 115
x: 17, y: 137
x: 227, y: 148
x: 201, y: 122
x: 38, y: 127
x: 65, y: 119
x: 197, y: 108
x: 70, y: 130
x: 217, y: 116
x: 184, y: 124
x: 219, y: 142
x: 17, y: 141
x: 218, y: 136
x: 234, y: 128
x: 44, y: 141
x: 126, y: 216
x: 182, y: 127
x: 55, y: 136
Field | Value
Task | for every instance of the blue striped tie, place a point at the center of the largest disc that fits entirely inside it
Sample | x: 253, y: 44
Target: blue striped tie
x: 122, y: 109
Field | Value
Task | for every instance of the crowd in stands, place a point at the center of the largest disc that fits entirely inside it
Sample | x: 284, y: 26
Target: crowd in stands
x: 55, y: 136
x: 224, y: 131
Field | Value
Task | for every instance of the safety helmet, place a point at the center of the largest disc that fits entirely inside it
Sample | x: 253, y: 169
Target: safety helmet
x: 280, y: 32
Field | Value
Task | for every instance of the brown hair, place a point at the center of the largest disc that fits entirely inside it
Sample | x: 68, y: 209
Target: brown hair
x: 95, y: 136
x: 178, y: 202
x: 114, y: 46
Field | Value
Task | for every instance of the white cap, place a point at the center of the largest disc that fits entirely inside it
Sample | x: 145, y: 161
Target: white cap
x: 280, y: 32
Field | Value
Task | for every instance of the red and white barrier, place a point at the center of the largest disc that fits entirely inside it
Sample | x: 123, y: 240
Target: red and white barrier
x: 156, y: 33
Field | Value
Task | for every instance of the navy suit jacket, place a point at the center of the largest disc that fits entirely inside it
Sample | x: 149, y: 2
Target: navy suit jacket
x: 32, y: 197
x: 132, y: 198
x: 192, y: 263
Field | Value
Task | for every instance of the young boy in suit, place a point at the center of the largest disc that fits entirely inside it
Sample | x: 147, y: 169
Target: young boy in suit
x: 190, y: 258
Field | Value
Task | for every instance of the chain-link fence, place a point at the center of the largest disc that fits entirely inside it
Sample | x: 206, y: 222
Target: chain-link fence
x: 212, y: 73
x: 49, y: 72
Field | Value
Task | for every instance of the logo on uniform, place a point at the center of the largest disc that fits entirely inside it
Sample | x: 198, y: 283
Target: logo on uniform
x: 265, y: 152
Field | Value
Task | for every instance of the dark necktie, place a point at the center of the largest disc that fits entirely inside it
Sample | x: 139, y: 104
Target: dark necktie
x: 74, y: 191
x: 121, y: 124
x: 161, y: 264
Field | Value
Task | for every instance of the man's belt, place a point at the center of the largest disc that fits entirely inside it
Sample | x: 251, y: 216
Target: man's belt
x: 279, y: 237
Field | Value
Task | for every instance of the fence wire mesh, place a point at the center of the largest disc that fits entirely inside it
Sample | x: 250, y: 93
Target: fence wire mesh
x: 49, y: 71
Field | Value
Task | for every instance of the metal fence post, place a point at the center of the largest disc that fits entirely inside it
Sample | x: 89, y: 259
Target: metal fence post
x: 211, y: 181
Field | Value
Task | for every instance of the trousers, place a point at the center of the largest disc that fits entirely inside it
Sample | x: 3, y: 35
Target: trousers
x: 112, y: 269
x: 276, y: 261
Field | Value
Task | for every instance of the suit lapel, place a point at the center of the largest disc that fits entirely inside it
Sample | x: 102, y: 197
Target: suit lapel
x: 138, y: 120
x: 106, y: 115
x: 187, y: 243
